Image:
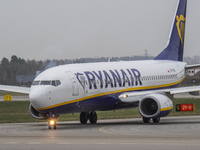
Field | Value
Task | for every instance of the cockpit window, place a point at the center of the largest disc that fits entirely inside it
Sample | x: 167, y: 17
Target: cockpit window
x: 45, y: 83
x: 58, y: 82
x: 36, y: 83
x: 53, y: 82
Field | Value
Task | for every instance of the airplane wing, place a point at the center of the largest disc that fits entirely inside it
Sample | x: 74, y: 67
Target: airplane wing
x: 131, y: 97
x: 17, y: 89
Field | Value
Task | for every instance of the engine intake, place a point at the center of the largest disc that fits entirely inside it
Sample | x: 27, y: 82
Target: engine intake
x: 155, y: 105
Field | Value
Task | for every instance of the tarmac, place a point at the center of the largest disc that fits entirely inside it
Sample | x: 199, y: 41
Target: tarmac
x: 177, y: 133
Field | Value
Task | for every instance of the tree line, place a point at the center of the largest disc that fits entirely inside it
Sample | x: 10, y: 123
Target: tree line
x: 17, y: 66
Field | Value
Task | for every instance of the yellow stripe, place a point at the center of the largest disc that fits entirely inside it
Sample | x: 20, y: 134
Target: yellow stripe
x: 111, y: 92
x: 165, y: 109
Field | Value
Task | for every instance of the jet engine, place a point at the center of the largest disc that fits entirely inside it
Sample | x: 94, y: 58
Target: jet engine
x: 155, y: 105
x: 36, y: 114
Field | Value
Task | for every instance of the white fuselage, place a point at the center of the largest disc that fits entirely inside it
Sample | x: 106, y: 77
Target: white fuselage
x: 75, y: 84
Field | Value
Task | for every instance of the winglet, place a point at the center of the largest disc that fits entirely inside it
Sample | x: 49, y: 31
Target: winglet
x: 175, y: 47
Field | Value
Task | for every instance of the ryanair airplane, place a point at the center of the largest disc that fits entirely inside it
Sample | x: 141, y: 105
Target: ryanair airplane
x: 87, y: 88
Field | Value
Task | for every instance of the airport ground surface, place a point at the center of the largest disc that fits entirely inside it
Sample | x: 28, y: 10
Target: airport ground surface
x: 177, y: 133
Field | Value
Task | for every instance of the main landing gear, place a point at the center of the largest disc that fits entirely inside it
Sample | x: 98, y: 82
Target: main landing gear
x: 155, y: 120
x: 91, y: 116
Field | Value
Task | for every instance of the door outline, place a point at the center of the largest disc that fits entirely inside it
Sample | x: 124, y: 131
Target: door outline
x: 75, y: 87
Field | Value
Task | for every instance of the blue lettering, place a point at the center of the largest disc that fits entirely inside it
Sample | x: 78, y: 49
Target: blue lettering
x: 108, y: 79
x: 91, y: 79
x: 125, y: 78
x: 132, y: 80
x: 99, y: 76
x: 116, y: 78
x: 137, y: 76
x: 131, y: 77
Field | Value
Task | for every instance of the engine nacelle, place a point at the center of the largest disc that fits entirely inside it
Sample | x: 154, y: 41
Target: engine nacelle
x: 155, y: 105
x: 36, y: 114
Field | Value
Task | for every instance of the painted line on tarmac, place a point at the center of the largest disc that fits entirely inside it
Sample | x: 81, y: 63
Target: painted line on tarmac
x: 108, y: 132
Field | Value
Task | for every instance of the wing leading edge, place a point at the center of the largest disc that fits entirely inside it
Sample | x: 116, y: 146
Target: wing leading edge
x: 131, y: 97
x: 17, y: 89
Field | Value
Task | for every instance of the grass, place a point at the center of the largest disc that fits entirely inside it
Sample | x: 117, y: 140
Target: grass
x: 2, y: 93
x: 17, y: 112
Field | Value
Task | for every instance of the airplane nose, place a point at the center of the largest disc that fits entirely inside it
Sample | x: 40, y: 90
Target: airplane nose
x: 37, y: 97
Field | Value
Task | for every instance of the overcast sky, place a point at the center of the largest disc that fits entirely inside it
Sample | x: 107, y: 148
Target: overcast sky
x: 68, y: 29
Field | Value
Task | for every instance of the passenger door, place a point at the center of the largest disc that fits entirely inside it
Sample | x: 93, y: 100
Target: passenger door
x: 75, y: 85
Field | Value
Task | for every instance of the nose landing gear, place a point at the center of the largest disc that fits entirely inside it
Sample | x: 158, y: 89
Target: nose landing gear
x: 52, y: 121
x: 84, y: 117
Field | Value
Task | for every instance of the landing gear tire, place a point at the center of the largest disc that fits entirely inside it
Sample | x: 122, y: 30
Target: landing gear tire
x: 84, y: 117
x: 52, y: 127
x: 146, y: 120
x: 93, y: 117
x: 156, y: 120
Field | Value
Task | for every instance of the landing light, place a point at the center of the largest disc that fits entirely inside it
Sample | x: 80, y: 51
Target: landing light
x: 125, y: 96
x: 52, y: 122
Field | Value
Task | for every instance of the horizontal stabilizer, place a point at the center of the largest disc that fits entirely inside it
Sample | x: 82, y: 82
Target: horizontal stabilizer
x: 192, y: 66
